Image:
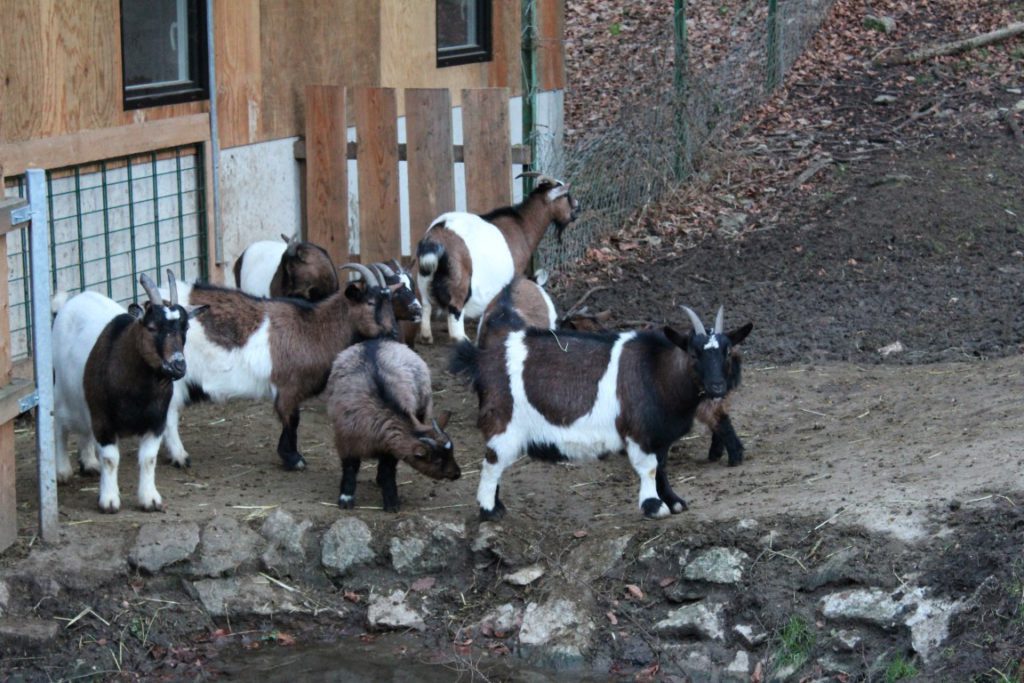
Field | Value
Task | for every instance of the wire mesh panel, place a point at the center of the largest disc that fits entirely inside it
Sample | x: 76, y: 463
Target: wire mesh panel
x: 111, y: 221
x: 655, y: 116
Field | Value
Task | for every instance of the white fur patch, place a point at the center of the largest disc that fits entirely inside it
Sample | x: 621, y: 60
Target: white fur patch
x: 712, y: 342
x: 242, y: 372
x: 259, y: 265
x: 171, y: 313
x: 588, y: 437
x: 492, y: 260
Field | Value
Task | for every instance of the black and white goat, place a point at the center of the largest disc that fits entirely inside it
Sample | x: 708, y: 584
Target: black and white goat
x: 464, y: 259
x: 577, y: 396
x: 113, y: 372
x: 277, y: 349
x: 380, y: 405
x: 291, y: 268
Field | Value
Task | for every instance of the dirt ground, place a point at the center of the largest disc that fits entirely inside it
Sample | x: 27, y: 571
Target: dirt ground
x: 892, y: 453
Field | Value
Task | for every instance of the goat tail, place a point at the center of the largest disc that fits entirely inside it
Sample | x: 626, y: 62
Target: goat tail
x: 428, y: 256
x: 465, y: 360
x: 57, y: 302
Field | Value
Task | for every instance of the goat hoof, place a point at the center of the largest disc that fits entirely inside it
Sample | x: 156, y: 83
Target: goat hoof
x: 110, y: 507
x: 654, y: 508
x: 492, y: 515
x: 294, y: 462
x: 87, y: 471
x: 182, y: 464
x: 713, y: 455
x: 346, y: 502
x: 735, y: 459
x: 152, y: 506
x: 678, y: 506
x: 390, y: 507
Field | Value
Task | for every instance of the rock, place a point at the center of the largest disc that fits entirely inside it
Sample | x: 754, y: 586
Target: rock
x: 927, y: 619
x: 846, y: 641
x: 1019, y: 107
x: 889, y: 349
x: 346, y: 544
x: 525, y: 576
x: 501, y: 621
x: 593, y: 559
x: 718, y: 565
x: 390, y: 611
x: 80, y: 564
x: 732, y: 222
x: 885, y: 99
x: 5, y: 598
x: 226, y: 545
x: 247, y: 595
x: 883, y: 24
x: 426, y: 545
x: 747, y: 524
x: 837, y: 570
x: 286, y: 543
x: 558, y: 632
x: 684, y: 592
x: 26, y: 635
x: 739, y: 667
x: 769, y: 539
x: 693, y: 620
x: 749, y: 635
x: 160, y: 545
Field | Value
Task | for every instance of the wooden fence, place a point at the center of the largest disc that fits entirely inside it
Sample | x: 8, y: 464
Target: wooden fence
x: 430, y: 152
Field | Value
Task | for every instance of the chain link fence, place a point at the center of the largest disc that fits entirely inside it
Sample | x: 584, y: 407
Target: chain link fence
x: 659, y: 113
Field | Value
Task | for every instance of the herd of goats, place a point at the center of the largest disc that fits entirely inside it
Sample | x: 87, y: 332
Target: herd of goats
x: 549, y: 387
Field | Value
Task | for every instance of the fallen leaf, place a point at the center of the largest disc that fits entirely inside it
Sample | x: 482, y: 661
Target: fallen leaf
x: 635, y: 591
x: 580, y: 533
x: 667, y: 581
x: 285, y: 639
x: 423, y: 584
x: 612, y: 618
x: 351, y: 597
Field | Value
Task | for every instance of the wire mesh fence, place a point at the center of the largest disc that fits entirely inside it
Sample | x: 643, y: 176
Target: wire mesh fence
x: 686, y: 84
x: 109, y: 222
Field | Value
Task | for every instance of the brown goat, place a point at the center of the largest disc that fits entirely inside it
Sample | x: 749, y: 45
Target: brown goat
x: 294, y: 269
x: 464, y: 260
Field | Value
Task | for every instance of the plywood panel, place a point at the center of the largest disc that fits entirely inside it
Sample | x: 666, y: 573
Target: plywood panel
x: 21, y: 69
x: 8, y: 497
x: 428, y: 131
x: 503, y: 70
x: 239, y: 76
x: 327, y: 170
x: 376, y: 114
x: 487, y: 148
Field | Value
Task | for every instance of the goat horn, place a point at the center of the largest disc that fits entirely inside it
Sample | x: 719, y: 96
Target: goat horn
x: 698, y: 326
x: 384, y: 268
x: 368, y: 276
x: 397, y: 265
x: 557, y: 191
x: 720, y: 320
x: 151, y: 289
x: 438, y: 430
x: 530, y: 174
x: 172, y: 287
x: 375, y: 267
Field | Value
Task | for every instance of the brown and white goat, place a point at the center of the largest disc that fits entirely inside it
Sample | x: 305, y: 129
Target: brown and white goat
x: 464, y: 259
x: 277, y: 349
x: 530, y: 302
x: 291, y: 268
x: 577, y: 396
x: 113, y: 374
x: 379, y: 403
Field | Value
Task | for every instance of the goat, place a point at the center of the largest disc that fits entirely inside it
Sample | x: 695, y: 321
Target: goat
x: 464, y: 259
x: 294, y: 268
x: 577, y: 396
x: 380, y: 405
x: 528, y: 299
x: 113, y: 373
x: 281, y: 349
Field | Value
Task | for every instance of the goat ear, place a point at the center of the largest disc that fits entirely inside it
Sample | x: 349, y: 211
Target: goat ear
x: 355, y: 293
x: 442, y: 419
x: 740, y: 333
x: 198, y: 311
x: 676, y: 338
x: 136, y: 311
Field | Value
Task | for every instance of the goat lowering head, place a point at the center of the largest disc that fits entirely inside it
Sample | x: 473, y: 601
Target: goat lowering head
x: 711, y: 354
x: 403, y: 294
x: 306, y: 272
x: 436, y: 458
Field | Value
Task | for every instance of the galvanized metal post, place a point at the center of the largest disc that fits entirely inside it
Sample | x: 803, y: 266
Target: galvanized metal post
x: 42, y: 351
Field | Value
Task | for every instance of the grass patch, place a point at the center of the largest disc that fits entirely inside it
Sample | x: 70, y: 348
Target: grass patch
x: 899, y: 669
x: 796, y: 641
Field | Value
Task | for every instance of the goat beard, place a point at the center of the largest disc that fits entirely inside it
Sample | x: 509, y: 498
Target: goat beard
x: 711, y: 410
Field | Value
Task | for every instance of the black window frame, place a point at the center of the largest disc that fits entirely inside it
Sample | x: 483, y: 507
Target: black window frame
x: 197, y: 88
x: 481, y: 51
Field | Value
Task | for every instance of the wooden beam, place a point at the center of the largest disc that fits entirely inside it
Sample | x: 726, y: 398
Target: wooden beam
x: 7, y: 224
x: 488, y: 140
x: 327, y: 170
x: 521, y: 154
x: 428, y: 127
x: 11, y: 397
x: 103, y: 143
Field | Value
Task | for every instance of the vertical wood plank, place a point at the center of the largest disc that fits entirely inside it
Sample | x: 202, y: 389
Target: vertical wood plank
x: 239, y: 75
x: 8, y: 495
x: 428, y: 131
x: 376, y: 118
x: 550, y: 44
x: 327, y: 170
x: 487, y: 148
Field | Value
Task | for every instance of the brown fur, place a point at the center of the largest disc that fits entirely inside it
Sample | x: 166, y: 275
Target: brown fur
x: 526, y: 299
x: 563, y: 397
x: 535, y: 215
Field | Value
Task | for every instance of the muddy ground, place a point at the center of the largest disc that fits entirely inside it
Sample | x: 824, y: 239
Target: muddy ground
x: 913, y: 458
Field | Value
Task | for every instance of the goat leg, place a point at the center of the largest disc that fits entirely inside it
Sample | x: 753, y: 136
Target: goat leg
x: 675, y: 503
x: 386, y: 465
x: 349, y: 471
x: 723, y: 437
x: 288, y: 444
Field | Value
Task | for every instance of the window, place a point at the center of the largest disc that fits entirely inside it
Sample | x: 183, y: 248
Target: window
x: 163, y: 51
x: 463, y: 31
